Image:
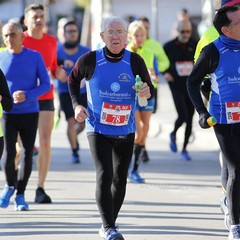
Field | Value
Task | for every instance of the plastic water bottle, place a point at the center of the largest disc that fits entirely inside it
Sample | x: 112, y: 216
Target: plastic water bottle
x: 142, y: 101
x: 212, y: 121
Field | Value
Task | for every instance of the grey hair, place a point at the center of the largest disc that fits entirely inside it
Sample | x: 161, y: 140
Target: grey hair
x: 109, y: 20
x: 14, y: 24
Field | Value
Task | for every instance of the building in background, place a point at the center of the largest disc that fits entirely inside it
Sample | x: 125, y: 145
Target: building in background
x: 208, y: 11
x: 162, y: 14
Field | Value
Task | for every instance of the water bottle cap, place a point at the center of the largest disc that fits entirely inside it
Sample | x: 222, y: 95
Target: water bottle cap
x: 138, y: 79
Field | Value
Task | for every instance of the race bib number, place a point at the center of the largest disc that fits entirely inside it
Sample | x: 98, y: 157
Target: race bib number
x: 184, y: 68
x: 115, y: 114
x: 233, y: 112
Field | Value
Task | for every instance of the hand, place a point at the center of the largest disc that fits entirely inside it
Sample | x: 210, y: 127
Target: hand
x: 81, y: 113
x: 61, y: 74
x: 19, y: 96
x: 168, y: 77
x: 203, y: 117
x: 144, y: 91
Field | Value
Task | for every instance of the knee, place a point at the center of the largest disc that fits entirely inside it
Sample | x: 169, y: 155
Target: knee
x: 104, y: 180
x: 119, y: 181
x: 45, y: 140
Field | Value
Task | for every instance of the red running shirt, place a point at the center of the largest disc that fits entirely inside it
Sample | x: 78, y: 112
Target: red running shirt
x: 47, y: 46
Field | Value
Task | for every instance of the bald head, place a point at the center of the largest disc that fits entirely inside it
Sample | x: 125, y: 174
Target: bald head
x: 11, y: 25
x: 184, y: 28
x: 184, y: 24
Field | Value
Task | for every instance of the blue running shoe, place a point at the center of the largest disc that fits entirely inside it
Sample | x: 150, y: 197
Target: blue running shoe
x: 173, y: 145
x: 113, y: 234
x: 75, y: 158
x: 6, y: 194
x: 134, y: 177
x: 185, y: 156
x: 234, y: 232
x: 20, y: 204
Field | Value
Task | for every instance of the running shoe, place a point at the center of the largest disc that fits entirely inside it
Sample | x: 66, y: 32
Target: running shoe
x: 173, y: 145
x: 75, y: 158
x: 225, y: 211
x: 185, y: 156
x: 134, y: 177
x: 113, y: 234
x: 234, y: 232
x: 20, y: 203
x: 6, y: 194
x: 102, y: 232
x: 227, y: 221
x: 41, y: 196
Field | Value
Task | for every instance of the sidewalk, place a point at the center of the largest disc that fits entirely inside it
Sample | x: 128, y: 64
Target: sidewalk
x: 180, y: 200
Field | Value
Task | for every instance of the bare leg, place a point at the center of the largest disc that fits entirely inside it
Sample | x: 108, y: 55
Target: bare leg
x: 45, y: 126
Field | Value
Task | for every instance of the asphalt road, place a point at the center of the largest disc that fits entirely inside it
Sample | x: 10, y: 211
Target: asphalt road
x: 180, y: 200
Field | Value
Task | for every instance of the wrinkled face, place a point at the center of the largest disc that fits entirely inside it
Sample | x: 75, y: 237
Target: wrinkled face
x: 115, y: 37
x: 12, y: 38
x: 138, y: 37
x: 35, y: 19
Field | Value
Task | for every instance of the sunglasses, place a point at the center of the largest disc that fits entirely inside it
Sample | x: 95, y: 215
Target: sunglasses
x: 185, y: 31
x: 71, y: 31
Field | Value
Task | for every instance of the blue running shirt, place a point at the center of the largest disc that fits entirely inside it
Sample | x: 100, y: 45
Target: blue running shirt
x: 225, y: 97
x: 111, y: 98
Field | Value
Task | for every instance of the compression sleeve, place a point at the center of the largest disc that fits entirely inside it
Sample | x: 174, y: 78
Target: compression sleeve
x: 206, y: 64
x: 83, y: 68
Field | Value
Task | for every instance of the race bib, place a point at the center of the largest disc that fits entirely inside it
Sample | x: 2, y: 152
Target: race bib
x: 115, y: 114
x: 233, y: 112
x: 184, y: 68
